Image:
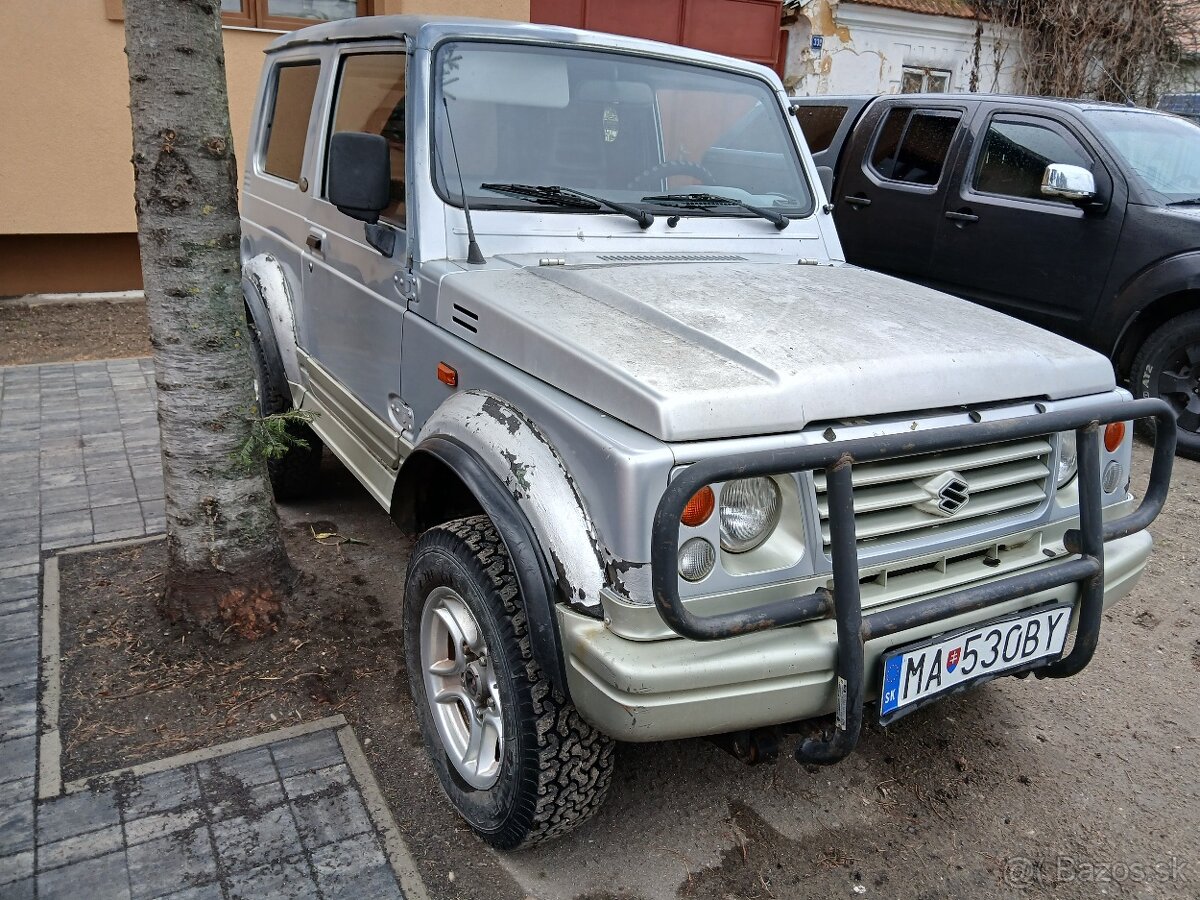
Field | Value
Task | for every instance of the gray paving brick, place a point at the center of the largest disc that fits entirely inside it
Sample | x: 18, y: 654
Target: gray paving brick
x: 147, y: 828
x: 307, y: 752
x: 18, y: 571
x: 15, y: 875
x: 18, y: 661
x: 18, y: 758
x: 26, y: 554
x: 82, y: 846
x: 335, y: 778
x: 171, y: 864
x: 112, y: 493
x: 18, y: 588
x: 20, y: 789
x: 77, y: 813
x: 17, y: 624
x: 18, y: 710
x: 106, y: 877
x: 246, y: 800
x: 16, y: 827
x: 17, y: 890
x: 248, y: 767
x: 65, y: 499
x: 355, y: 867
x: 63, y: 479
x: 289, y: 878
x: 250, y: 841
x: 204, y: 892
x: 12, y: 606
x: 162, y: 792
x: 324, y: 817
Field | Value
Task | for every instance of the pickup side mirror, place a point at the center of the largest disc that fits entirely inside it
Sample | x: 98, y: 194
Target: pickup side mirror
x: 1069, y: 182
x: 360, y: 174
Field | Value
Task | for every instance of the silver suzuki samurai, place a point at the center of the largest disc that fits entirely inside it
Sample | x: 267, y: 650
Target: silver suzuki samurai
x: 572, y: 307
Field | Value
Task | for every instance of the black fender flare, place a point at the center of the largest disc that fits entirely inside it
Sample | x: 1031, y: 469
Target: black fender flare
x: 260, y: 321
x: 1175, y: 274
x: 529, y: 561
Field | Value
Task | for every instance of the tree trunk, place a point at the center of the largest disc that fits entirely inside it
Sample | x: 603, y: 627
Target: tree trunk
x: 227, y: 569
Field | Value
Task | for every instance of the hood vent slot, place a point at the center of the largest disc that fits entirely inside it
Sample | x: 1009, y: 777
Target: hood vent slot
x: 465, y: 319
x: 670, y: 257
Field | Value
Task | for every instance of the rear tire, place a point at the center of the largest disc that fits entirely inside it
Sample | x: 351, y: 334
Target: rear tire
x: 1168, y: 366
x: 545, y: 771
x: 295, y: 474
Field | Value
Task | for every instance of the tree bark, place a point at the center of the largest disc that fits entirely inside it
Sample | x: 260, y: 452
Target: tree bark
x: 227, y: 569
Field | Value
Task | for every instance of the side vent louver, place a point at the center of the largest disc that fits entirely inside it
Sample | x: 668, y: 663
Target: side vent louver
x: 466, y: 319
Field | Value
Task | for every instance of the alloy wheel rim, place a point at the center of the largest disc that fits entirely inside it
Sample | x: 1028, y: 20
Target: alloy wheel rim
x: 1179, y: 385
x: 461, y: 688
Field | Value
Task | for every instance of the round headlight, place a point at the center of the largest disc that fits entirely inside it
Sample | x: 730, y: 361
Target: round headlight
x: 749, y: 513
x: 1068, y: 458
x: 696, y: 559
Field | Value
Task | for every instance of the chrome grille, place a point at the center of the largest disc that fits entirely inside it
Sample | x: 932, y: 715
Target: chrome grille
x: 1006, y: 482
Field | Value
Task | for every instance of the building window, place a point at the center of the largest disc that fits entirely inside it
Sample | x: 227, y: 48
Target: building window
x: 289, y: 14
x: 917, y: 80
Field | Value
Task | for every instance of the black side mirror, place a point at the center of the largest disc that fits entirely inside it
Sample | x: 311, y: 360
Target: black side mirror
x: 360, y: 174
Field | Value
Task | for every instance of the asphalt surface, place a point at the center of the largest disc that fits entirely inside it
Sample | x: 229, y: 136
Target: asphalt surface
x: 1084, y: 787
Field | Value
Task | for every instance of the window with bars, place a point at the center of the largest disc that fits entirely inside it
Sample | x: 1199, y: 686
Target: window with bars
x: 290, y: 14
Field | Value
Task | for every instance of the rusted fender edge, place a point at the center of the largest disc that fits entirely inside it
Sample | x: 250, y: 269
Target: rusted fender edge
x: 534, y: 474
x: 268, y: 292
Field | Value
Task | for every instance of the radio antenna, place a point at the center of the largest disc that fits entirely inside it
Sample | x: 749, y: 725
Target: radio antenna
x: 474, y: 255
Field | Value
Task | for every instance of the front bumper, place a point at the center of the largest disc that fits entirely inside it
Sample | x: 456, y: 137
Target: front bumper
x: 663, y: 690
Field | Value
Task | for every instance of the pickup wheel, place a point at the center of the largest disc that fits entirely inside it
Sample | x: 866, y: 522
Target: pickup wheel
x: 1168, y: 366
x: 511, y: 752
x: 295, y: 474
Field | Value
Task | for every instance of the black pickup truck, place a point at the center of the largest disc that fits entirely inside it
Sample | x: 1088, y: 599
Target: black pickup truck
x: 1081, y: 217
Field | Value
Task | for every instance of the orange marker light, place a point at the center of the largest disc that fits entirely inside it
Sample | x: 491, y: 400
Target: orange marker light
x: 1114, y: 434
x: 699, y: 508
x: 447, y: 375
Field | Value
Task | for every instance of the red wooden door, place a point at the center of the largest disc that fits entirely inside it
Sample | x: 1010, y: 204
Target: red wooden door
x: 745, y: 28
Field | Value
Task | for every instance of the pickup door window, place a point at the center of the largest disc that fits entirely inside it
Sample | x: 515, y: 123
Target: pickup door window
x: 1003, y: 243
x: 888, y: 202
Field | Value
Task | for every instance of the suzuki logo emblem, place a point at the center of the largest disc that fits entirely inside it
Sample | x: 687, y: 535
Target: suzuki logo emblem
x: 948, y: 493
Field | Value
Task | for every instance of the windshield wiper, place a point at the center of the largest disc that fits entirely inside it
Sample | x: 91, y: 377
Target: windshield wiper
x: 553, y: 195
x: 709, y: 201
x: 1191, y: 201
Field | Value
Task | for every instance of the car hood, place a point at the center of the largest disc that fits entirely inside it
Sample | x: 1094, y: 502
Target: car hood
x: 689, y: 351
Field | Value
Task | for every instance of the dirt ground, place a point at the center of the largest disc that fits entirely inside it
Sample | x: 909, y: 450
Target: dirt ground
x: 56, y: 332
x: 1079, y: 788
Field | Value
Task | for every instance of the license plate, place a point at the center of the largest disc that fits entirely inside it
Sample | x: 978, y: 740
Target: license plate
x: 918, y: 673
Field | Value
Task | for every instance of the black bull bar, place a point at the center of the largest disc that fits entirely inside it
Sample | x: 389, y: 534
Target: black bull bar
x: 1085, y: 543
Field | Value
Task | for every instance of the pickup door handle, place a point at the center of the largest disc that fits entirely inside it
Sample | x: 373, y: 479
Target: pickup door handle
x: 962, y: 216
x: 314, y: 243
x: 858, y: 201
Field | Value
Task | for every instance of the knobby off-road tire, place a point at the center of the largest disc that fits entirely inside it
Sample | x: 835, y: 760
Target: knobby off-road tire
x: 295, y: 474
x: 1167, y: 350
x: 554, y: 768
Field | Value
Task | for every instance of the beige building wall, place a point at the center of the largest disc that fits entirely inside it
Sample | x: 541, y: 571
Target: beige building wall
x: 65, y: 136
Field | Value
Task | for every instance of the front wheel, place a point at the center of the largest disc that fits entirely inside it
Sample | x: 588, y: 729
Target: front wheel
x: 511, y: 752
x: 1168, y: 366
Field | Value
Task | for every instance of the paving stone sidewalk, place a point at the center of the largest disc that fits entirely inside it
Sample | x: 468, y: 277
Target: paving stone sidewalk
x: 79, y: 464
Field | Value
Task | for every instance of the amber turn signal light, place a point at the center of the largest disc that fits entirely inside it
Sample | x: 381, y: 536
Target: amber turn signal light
x: 699, y: 508
x: 1114, y: 434
x: 447, y: 375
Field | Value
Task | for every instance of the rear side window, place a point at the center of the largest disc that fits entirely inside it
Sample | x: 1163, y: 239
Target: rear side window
x: 370, y: 98
x: 291, y: 108
x: 1015, y: 155
x: 912, y: 145
x: 819, y: 124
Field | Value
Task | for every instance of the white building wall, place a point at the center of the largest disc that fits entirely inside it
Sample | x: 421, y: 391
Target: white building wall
x: 867, y: 47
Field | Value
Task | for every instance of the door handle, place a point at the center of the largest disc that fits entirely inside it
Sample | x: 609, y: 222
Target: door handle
x: 858, y: 201
x: 314, y: 242
x: 962, y: 216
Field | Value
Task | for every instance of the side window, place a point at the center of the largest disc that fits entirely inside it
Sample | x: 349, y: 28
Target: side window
x: 370, y: 97
x: 291, y: 107
x: 912, y: 144
x: 819, y: 124
x: 1015, y: 155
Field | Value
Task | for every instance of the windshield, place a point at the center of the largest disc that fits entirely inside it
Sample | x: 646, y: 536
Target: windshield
x: 622, y: 129
x: 1163, y: 150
